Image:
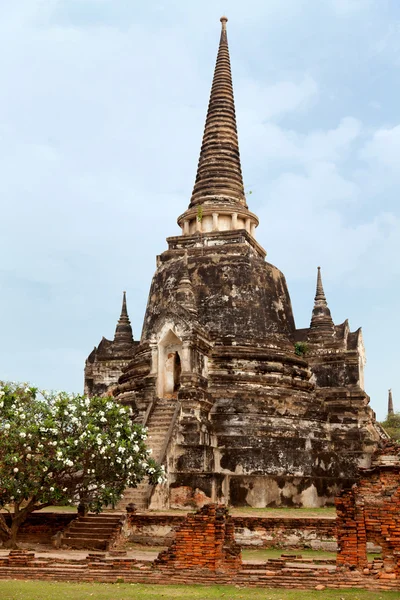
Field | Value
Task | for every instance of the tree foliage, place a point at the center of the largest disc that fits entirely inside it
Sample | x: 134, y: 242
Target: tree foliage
x: 57, y: 448
x: 392, y: 426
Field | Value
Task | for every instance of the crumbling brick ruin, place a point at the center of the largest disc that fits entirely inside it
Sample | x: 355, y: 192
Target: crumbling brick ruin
x: 370, y: 512
x: 206, y: 540
x: 241, y: 406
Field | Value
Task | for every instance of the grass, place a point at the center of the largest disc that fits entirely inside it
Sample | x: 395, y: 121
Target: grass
x: 266, y: 553
x: 326, y: 511
x: 257, y: 553
x: 39, y: 590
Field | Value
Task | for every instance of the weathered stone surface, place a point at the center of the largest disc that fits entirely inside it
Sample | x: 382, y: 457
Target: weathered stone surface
x: 268, y: 415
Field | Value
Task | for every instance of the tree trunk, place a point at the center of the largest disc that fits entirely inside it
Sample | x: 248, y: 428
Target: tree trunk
x: 12, y: 540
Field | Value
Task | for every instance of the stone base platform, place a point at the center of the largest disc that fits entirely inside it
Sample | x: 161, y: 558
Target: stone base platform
x: 287, y: 572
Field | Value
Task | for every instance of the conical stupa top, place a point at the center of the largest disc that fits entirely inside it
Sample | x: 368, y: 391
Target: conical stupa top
x: 321, y: 315
x: 390, y: 403
x: 219, y: 174
x: 123, y: 331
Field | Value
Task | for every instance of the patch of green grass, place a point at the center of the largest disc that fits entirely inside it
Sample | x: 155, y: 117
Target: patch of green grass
x: 326, y: 511
x: 39, y: 590
x: 267, y: 553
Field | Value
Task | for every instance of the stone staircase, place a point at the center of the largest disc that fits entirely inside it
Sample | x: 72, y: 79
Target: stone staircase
x: 93, y: 532
x: 159, y: 425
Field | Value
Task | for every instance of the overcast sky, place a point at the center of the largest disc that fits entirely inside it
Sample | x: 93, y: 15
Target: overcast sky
x: 102, y: 108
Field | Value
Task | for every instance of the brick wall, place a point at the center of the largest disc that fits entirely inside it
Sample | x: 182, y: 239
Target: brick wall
x: 205, y: 540
x: 370, y: 512
x: 39, y: 528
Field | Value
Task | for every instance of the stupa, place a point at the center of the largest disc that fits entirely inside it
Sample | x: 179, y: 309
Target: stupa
x: 241, y: 407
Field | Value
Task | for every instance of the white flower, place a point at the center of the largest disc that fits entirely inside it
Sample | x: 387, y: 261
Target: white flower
x: 16, y: 469
x: 52, y: 489
x: 7, y: 426
x: 29, y: 456
x: 69, y: 463
x: 22, y: 434
x: 65, y: 489
x: 160, y: 479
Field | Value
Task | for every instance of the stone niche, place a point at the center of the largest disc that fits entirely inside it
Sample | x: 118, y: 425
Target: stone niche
x: 370, y: 512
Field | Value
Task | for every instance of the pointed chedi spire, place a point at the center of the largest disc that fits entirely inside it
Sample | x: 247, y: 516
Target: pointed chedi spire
x: 390, y: 404
x: 321, y: 320
x: 123, y: 332
x: 219, y: 173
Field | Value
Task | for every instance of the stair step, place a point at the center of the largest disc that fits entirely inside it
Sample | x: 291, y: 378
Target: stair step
x: 93, y: 529
x: 104, y: 521
x: 88, y: 543
x: 85, y: 535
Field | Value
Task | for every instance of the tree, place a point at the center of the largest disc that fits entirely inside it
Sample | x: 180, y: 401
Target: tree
x: 57, y: 448
x: 392, y: 426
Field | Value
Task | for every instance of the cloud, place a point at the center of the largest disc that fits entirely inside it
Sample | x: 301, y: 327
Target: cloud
x: 384, y: 148
x: 348, y: 7
x: 101, y: 118
x: 271, y: 101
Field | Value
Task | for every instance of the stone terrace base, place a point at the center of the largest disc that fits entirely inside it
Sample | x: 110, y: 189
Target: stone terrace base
x: 250, y: 532
x: 288, y: 572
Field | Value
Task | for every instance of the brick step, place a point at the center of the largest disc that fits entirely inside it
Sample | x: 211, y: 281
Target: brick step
x: 103, y: 521
x: 90, y: 531
x: 93, y: 532
x: 96, y: 535
x: 161, y: 418
x: 87, y: 543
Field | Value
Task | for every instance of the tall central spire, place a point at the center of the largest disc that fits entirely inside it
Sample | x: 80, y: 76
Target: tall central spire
x: 219, y: 174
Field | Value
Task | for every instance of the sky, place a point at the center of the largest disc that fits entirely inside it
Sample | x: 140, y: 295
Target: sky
x: 102, y: 109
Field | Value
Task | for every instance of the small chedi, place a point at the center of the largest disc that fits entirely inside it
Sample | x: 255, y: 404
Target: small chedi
x: 105, y: 363
x: 370, y: 512
x: 241, y: 407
